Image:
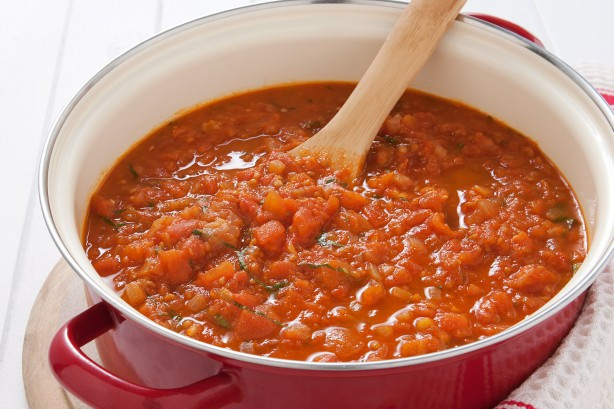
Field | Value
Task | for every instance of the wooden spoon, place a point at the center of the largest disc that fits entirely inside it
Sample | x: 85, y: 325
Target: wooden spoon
x: 346, y: 139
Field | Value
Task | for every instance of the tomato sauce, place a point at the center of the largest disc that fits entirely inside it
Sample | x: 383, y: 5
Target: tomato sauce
x: 458, y: 229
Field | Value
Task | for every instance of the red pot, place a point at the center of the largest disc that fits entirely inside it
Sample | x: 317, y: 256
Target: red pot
x: 134, y: 357
x: 147, y: 366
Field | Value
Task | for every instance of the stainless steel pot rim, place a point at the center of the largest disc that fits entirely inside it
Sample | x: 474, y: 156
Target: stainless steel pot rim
x: 437, y: 357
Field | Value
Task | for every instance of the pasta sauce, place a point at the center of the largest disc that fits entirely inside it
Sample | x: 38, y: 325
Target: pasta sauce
x: 458, y: 228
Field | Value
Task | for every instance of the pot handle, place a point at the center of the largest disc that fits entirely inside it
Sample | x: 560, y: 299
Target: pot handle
x: 508, y: 25
x: 96, y: 386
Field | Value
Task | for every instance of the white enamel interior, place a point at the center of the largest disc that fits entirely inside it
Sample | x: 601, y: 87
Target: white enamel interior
x: 203, y: 61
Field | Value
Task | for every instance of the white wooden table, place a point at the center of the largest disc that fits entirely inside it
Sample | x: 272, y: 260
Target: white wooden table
x: 48, y: 49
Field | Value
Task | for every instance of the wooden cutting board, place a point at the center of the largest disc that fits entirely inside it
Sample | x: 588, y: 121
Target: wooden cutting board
x: 61, y: 298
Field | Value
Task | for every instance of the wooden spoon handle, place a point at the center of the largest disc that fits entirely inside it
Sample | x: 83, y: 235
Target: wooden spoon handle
x: 411, y: 42
x: 348, y: 136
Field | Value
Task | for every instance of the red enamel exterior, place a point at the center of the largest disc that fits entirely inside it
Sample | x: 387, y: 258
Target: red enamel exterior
x: 138, y: 361
x: 98, y: 387
x: 508, y: 25
x: 143, y: 369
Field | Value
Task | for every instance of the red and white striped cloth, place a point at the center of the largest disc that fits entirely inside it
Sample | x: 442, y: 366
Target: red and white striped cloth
x: 601, y: 77
x: 580, y: 374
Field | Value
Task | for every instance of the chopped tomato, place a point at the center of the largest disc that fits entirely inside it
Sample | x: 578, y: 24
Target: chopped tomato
x: 176, y: 266
x: 271, y: 236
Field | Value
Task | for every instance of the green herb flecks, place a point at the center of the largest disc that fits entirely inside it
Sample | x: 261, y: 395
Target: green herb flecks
x: 575, y: 267
x: 278, y: 286
x: 460, y: 145
x: 230, y: 246
x: 391, y: 140
x: 253, y: 311
x: 567, y: 221
x: 311, y: 125
x: 171, y: 314
x: 119, y: 211
x: 112, y: 223
x: 332, y: 180
x: 134, y: 173
x: 328, y: 243
x: 270, y: 288
x: 241, y: 257
x: 560, y: 213
x: 198, y: 233
x: 243, y: 266
x: 325, y: 265
x: 221, y: 321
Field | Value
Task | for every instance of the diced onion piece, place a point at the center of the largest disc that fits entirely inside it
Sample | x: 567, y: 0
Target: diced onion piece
x: 225, y: 269
x: 296, y: 331
x: 473, y: 289
x: 404, y: 315
x: 371, y: 293
x: 383, y: 330
x: 197, y: 303
x: 401, y: 294
x: 489, y: 209
x: 277, y: 205
x: 134, y: 294
x: 423, y: 323
x: 432, y: 293
x: 373, y: 271
x: 440, y: 151
x: 482, y: 191
x: 277, y: 167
